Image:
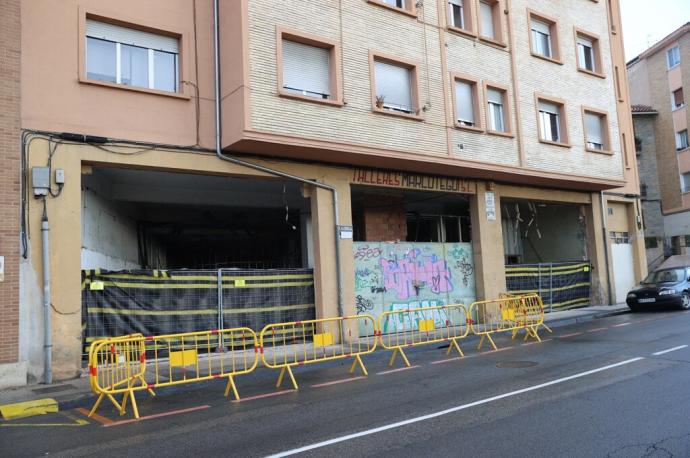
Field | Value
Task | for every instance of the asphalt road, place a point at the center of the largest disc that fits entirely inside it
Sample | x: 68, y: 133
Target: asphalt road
x: 595, y: 389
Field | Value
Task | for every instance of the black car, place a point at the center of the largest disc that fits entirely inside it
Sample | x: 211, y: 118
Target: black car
x: 661, y: 288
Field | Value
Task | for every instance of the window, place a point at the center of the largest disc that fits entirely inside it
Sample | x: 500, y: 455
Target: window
x: 543, y: 36
x: 678, y: 98
x: 681, y: 140
x: 596, y: 131
x: 620, y: 237
x: 685, y: 182
x: 490, y: 21
x: 643, y: 189
x: 673, y: 57
x: 403, y: 6
x: 651, y: 242
x: 466, y: 103
x: 460, y: 13
x: 552, y: 127
x: 497, y: 110
x: 394, y: 86
x: 131, y: 57
x: 638, y: 144
x: 588, y: 53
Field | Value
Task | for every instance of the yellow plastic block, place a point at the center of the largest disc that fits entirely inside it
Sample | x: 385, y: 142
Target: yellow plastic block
x: 97, y: 285
x: 28, y: 408
x: 426, y: 325
x: 508, y: 314
x: 240, y: 282
x: 183, y: 358
x: 323, y: 339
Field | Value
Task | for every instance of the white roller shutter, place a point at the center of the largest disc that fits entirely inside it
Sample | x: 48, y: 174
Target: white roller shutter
x: 541, y: 27
x: 394, y: 85
x: 464, y: 101
x: 486, y: 14
x: 306, y: 68
x: 111, y: 32
x: 494, y: 96
x: 548, y: 107
x: 594, y: 130
x: 584, y: 41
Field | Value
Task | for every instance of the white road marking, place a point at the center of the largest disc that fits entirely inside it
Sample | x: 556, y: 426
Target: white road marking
x: 669, y: 350
x: 622, y: 324
x: 368, y: 432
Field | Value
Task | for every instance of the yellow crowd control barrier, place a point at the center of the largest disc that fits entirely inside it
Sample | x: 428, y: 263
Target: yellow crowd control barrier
x: 125, y: 365
x: 399, y: 329
x: 510, y: 295
x: 508, y: 314
x: 284, y: 345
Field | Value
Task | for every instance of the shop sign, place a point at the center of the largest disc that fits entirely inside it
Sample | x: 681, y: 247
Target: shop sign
x: 413, y: 181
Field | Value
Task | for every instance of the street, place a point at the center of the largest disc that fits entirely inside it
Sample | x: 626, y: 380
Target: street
x: 613, y: 387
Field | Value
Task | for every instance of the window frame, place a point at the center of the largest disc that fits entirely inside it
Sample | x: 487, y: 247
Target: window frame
x: 673, y: 99
x: 687, y: 140
x: 499, y: 38
x: 507, y: 113
x: 410, y: 8
x: 182, y: 61
x: 479, y: 125
x: 596, y: 51
x: 412, y: 66
x: 675, y: 47
x: 684, y: 189
x: 335, y: 73
x: 563, y: 120
x: 556, y: 55
x: 470, y: 28
x: 605, y: 130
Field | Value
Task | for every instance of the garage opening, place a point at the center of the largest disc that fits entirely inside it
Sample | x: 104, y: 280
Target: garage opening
x: 173, y: 252
x: 545, y: 247
x: 411, y: 249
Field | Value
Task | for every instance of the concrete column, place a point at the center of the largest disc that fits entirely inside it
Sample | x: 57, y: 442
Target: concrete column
x: 487, y: 238
x: 595, y: 251
x: 637, y: 241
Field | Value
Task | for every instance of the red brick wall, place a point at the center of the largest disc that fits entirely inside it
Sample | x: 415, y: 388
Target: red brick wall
x: 384, y: 218
x: 9, y: 178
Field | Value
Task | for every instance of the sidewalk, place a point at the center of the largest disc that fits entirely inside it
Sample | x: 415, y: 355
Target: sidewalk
x: 72, y: 391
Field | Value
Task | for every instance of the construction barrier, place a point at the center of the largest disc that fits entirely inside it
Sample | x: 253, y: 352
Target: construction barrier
x: 399, y: 329
x: 125, y: 365
x: 507, y: 314
x: 509, y: 295
x: 284, y: 345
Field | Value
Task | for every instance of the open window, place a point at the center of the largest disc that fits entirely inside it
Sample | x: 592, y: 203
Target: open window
x: 466, y: 96
x: 597, y: 138
x: 588, y: 53
x: 543, y: 35
x: 552, y: 121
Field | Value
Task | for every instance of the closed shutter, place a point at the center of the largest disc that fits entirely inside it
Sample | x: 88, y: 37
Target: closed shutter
x: 464, y: 100
x: 541, y: 27
x: 393, y: 84
x: 594, y: 131
x: 133, y: 37
x: 306, y: 68
x: 486, y: 14
x: 494, y: 96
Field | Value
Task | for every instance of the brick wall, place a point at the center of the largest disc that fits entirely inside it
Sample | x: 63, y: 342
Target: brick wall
x: 647, y: 166
x: 384, y: 218
x: 9, y: 178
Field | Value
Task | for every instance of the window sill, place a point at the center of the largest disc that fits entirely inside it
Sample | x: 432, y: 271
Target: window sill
x: 478, y: 130
x: 492, y: 41
x: 398, y: 114
x: 606, y: 152
x: 590, y: 72
x: 404, y: 11
x: 500, y: 133
x: 548, y: 59
x: 549, y: 142
x: 459, y: 31
x: 679, y: 107
x: 306, y: 98
x: 174, y: 95
x: 687, y: 148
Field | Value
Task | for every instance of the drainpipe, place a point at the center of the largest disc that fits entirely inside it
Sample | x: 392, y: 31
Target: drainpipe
x: 606, y: 247
x: 219, y: 153
x: 47, y: 332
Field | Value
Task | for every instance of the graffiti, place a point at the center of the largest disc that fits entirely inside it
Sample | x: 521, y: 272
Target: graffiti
x: 364, y: 252
x: 366, y: 278
x: 363, y: 305
x: 462, y: 263
x: 378, y: 289
x: 410, y: 273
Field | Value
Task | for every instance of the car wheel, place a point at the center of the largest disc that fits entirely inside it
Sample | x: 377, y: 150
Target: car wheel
x: 634, y: 308
x: 685, y: 301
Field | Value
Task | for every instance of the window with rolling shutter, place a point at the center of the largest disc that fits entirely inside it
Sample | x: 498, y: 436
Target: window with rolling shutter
x: 465, y: 110
x: 486, y: 17
x: 594, y: 131
x: 306, y: 69
x: 550, y: 121
x: 585, y: 54
x: 495, y: 113
x: 541, y: 38
x: 393, y: 87
x: 131, y: 57
x: 456, y: 11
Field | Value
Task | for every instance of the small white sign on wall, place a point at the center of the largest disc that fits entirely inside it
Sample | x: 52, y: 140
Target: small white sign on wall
x: 2, y: 268
x: 490, y: 206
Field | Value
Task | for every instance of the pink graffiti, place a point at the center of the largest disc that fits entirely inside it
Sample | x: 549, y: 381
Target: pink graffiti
x: 412, y: 272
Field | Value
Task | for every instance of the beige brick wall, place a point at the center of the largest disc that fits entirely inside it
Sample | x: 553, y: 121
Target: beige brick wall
x: 9, y: 178
x: 368, y: 27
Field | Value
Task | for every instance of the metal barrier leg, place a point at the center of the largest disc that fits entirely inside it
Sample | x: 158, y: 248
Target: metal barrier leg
x: 532, y: 331
x: 454, y: 344
x: 282, y: 375
x: 361, y: 365
x: 135, y: 409
x: 491, y: 341
x: 402, y: 355
x: 98, y: 403
x: 546, y: 327
x: 231, y: 384
x: 143, y: 382
x: 123, y: 406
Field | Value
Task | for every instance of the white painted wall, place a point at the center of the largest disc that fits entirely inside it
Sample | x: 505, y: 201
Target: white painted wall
x: 109, y: 234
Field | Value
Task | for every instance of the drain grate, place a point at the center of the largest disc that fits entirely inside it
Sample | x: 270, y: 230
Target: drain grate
x: 516, y: 364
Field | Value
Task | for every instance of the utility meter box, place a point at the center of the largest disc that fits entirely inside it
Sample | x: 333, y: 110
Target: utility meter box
x: 40, y: 180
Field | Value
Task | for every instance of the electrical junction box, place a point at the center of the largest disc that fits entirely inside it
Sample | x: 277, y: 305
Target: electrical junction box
x: 40, y: 180
x: 60, y: 176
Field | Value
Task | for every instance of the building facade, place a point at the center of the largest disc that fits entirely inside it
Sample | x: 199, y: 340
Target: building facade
x: 658, y: 79
x: 409, y: 153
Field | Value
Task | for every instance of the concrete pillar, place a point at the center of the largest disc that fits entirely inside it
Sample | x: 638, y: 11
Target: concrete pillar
x: 637, y: 240
x: 596, y: 241
x: 487, y: 238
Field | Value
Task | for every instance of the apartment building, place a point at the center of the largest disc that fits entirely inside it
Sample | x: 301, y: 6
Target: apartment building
x: 658, y: 78
x: 404, y: 153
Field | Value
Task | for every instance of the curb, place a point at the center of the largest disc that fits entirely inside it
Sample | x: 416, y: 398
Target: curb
x: 584, y: 318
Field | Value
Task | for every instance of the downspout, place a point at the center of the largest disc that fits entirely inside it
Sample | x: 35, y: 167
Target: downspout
x: 47, y: 331
x: 606, y: 247
x: 219, y: 153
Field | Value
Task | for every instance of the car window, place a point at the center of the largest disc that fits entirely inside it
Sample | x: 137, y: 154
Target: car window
x: 666, y: 276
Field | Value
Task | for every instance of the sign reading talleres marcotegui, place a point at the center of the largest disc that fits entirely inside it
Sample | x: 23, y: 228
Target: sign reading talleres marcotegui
x: 413, y: 181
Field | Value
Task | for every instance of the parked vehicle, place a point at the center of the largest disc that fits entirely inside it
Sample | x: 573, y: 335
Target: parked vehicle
x: 661, y: 288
